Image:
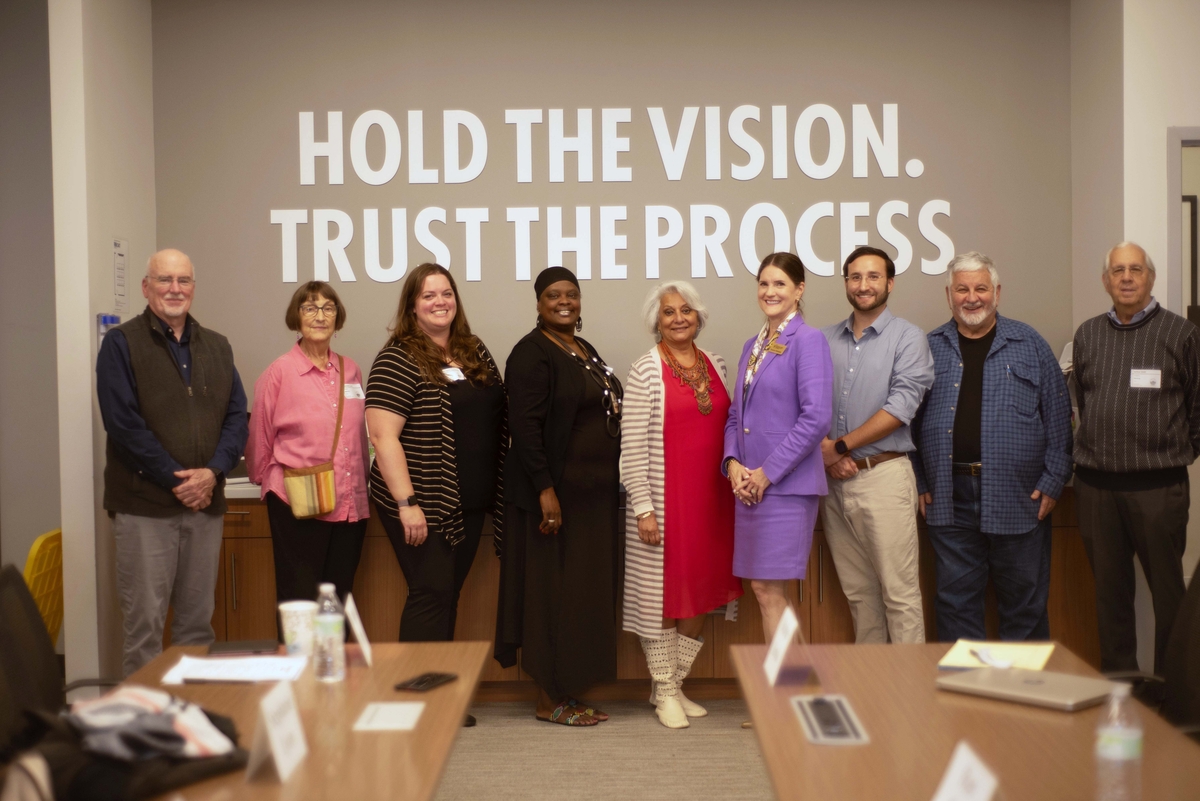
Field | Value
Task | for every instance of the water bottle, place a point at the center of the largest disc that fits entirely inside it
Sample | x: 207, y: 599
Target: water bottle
x: 329, y: 650
x: 1119, y: 749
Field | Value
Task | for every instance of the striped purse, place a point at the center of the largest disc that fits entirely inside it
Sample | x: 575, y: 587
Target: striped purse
x: 310, y: 490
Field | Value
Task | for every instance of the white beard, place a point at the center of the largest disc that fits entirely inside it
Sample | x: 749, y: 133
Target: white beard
x: 977, y: 317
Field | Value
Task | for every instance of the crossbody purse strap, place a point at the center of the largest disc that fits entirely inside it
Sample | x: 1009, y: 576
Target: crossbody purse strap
x: 337, y: 430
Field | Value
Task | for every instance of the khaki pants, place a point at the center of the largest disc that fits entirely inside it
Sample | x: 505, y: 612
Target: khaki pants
x: 871, y: 528
x: 161, y: 562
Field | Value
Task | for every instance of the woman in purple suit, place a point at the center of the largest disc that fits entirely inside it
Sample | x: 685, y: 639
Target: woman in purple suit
x: 782, y: 404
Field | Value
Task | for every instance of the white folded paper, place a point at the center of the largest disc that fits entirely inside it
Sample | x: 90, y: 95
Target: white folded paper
x: 390, y: 716
x: 236, y: 669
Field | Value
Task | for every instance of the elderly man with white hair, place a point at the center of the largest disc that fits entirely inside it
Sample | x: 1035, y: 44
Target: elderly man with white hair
x: 994, y: 444
x: 1137, y: 369
x: 175, y: 413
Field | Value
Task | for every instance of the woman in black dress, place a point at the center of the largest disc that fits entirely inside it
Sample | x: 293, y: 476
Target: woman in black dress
x: 432, y: 483
x: 558, y: 581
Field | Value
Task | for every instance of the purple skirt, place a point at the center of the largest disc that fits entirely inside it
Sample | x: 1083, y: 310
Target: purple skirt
x: 772, y: 539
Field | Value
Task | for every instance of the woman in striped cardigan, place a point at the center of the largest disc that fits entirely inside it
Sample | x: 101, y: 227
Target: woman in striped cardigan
x: 679, y: 519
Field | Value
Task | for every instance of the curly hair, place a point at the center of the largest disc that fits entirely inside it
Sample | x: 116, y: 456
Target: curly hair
x: 463, y: 346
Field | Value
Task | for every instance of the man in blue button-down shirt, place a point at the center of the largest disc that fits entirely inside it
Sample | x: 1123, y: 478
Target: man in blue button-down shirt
x: 994, y: 450
x: 881, y: 371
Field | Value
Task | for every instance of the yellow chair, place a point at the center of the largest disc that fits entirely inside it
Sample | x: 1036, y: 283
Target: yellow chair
x: 44, y: 575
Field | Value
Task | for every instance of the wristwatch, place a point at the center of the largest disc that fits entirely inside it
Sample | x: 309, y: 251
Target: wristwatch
x: 411, y: 500
x: 840, y: 447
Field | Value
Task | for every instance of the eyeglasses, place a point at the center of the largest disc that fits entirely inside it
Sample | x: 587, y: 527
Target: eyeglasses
x: 1134, y: 270
x: 328, y: 310
x: 165, y: 281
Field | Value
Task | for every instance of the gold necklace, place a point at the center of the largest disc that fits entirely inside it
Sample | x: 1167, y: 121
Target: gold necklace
x: 695, y: 376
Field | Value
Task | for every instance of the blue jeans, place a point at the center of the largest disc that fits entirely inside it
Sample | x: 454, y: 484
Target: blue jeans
x: 1019, y: 566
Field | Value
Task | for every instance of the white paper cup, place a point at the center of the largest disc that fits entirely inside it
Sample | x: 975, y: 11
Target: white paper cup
x: 299, y: 619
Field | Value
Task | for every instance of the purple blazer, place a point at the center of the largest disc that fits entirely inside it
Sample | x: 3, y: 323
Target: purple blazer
x: 781, y: 422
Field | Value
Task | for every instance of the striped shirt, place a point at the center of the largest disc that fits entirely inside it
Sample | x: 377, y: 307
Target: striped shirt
x: 396, y: 385
x: 1125, y: 428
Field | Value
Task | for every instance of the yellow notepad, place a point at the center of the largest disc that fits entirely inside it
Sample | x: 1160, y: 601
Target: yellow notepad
x: 966, y: 654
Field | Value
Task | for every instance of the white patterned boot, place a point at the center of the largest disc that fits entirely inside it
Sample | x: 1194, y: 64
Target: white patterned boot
x: 660, y: 658
x: 686, y: 652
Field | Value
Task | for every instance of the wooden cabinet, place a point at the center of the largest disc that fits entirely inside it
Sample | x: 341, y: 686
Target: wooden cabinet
x: 246, y: 596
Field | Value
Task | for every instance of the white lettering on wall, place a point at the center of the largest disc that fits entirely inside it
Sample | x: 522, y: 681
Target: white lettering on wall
x: 658, y: 241
x: 674, y: 154
x: 426, y: 237
x: 417, y: 172
x: 779, y: 227
x: 311, y: 150
x: 391, y: 147
x: 455, y: 173
x: 580, y: 144
x: 521, y: 219
x: 935, y: 236
x: 804, y: 228
x: 803, y: 141
x: 712, y: 143
x: 375, y: 269
x: 891, y: 235
x: 287, y: 220
x: 326, y: 247
x: 474, y: 220
x: 779, y: 151
x: 851, y: 236
x: 580, y: 244
x: 611, y: 144
x: 737, y: 133
x: 709, y: 246
x: 886, y: 148
x: 524, y: 119
x: 611, y: 241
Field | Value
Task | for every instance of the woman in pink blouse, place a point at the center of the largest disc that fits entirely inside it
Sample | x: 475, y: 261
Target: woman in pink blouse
x: 292, y: 425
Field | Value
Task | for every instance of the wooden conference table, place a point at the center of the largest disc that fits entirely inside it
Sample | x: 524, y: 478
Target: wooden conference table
x: 914, y: 727
x: 342, y: 763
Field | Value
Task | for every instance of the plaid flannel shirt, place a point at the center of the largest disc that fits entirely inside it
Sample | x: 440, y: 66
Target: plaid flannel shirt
x: 1025, y: 433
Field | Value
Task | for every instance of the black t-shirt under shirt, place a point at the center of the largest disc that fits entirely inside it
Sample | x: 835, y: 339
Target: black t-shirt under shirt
x: 477, y: 412
x: 969, y: 409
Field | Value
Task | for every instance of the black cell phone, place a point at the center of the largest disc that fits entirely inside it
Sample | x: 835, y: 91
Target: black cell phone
x: 828, y: 718
x: 426, y: 681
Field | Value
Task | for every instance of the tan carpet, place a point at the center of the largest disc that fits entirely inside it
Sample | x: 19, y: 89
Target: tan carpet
x: 512, y: 755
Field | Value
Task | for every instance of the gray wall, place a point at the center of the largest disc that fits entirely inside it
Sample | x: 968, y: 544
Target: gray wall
x: 29, y: 495
x: 983, y: 91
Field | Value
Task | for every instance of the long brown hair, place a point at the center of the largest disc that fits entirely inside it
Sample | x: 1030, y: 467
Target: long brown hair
x: 463, y: 345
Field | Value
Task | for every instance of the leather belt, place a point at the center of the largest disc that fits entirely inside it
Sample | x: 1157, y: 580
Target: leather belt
x: 867, y: 462
x: 968, y: 468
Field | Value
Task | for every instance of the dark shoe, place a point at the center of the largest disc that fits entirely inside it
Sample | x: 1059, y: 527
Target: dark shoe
x: 469, y: 722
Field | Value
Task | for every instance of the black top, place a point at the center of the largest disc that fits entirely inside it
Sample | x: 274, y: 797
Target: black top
x: 543, y: 398
x: 969, y: 408
x: 478, y: 412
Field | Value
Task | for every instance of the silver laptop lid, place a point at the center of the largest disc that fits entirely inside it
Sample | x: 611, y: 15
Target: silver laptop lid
x: 1037, y: 687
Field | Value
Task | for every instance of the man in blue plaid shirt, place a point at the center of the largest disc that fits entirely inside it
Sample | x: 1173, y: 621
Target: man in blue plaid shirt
x: 987, y: 489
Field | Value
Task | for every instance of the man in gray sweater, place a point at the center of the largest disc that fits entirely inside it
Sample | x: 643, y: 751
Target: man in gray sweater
x: 1137, y: 379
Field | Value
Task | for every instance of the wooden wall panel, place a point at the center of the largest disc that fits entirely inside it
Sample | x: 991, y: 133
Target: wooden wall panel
x: 250, y: 590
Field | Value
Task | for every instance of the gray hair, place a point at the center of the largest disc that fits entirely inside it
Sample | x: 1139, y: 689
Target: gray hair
x: 1118, y: 246
x: 970, y: 262
x: 685, y: 290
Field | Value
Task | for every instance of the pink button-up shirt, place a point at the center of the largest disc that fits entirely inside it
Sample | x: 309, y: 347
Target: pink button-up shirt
x: 295, y: 409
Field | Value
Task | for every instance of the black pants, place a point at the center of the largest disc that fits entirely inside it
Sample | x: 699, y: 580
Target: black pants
x: 311, y: 552
x: 1116, y: 526
x: 435, y: 574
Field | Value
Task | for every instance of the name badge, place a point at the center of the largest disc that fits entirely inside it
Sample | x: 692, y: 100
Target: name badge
x: 454, y: 374
x: 354, y: 392
x: 1145, y: 379
x: 775, y: 347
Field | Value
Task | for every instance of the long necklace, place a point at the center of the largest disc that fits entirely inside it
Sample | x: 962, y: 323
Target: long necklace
x: 759, y: 351
x: 612, y: 393
x: 696, y: 376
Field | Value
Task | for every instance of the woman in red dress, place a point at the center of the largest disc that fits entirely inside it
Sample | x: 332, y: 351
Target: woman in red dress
x: 679, y: 518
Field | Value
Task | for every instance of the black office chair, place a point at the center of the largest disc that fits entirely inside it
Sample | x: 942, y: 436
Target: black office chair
x: 1181, y: 673
x: 1180, y: 682
x: 30, y: 676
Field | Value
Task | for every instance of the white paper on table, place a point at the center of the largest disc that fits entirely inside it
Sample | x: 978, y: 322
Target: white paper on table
x: 236, y: 669
x: 390, y: 716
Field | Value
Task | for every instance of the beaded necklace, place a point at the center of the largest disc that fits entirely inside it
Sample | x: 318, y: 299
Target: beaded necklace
x: 602, y: 374
x: 696, y: 376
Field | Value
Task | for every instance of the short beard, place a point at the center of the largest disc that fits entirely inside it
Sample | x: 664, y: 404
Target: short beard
x: 880, y: 299
x: 973, y: 319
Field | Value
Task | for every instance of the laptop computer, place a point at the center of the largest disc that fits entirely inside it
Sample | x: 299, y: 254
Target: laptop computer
x: 1036, y: 687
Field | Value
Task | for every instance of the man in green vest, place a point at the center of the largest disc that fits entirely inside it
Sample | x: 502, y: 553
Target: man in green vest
x: 175, y: 413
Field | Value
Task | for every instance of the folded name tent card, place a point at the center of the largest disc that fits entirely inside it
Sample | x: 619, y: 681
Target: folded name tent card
x: 244, y: 669
x: 784, y: 633
x: 390, y: 716
x: 279, y: 743
x: 970, y: 654
x: 967, y: 778
x: 356, y: 626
